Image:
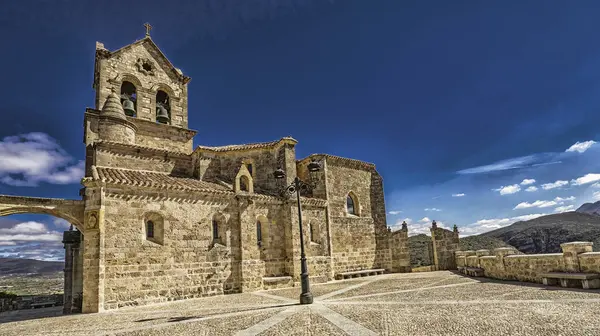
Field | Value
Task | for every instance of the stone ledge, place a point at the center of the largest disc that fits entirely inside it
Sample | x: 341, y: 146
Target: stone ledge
x: 546, y: 255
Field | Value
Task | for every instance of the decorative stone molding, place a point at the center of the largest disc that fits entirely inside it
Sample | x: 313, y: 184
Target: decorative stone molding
x: 145, y: 66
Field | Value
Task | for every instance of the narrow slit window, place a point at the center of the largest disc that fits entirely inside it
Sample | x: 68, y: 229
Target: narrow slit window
x: 258, y: 234
x: 249, y: 167
x: 350, y: 205
x: 150, y: 229
x: 215, y: 229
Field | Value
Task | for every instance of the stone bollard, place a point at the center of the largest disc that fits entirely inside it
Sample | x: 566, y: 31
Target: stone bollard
x: 570, y: 254
x: 500, y: 253
x: 460, y: 259
x: 481, y: 253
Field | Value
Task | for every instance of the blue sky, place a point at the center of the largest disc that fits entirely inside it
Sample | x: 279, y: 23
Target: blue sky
x: 446, y: 98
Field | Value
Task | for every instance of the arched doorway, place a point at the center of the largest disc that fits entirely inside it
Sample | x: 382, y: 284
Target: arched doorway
x: 42, y: 253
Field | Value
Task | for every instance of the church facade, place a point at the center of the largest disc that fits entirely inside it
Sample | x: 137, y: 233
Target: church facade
x: 160, y: 220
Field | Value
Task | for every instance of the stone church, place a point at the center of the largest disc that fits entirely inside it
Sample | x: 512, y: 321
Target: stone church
x: 160, y: 220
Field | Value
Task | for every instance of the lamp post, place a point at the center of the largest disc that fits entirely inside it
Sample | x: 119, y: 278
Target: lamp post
x: 295, y: 187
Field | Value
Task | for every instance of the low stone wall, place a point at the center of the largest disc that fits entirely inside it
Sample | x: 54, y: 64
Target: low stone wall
x: 26, y: 301
x: 508, y: 263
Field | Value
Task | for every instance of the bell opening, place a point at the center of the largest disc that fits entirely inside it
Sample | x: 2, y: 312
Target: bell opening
x: 163, y: 108
x: 129, y: 98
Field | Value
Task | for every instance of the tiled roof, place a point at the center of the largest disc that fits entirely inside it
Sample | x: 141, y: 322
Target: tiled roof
x: 246, y: 146
x: 156, y: 180
x: 341, y: 159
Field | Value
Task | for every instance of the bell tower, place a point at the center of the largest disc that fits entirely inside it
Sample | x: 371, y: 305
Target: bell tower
x: 151, y: 94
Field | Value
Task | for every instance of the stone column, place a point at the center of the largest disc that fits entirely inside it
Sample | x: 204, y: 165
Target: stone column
x: 436, y: 262
x: 93, y: 262
x: 68, y: 273
x: 77, y: 278
x: 570, y: 254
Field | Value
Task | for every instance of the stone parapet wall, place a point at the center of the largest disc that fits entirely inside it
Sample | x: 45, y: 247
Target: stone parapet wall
x: 507, y: 263
x: 399, y: 251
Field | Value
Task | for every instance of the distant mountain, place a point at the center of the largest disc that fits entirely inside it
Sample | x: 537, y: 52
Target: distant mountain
x: 590, y: 208
x: 24, y: 266
x: 545, y: 234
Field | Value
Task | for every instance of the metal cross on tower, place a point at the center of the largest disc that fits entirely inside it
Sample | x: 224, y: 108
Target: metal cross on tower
x: 148, y: 28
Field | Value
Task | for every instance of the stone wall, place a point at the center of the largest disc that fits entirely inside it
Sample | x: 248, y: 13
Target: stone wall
x: 445, y: 243
x: 399, y: 251
x: 507, y: 263
x: 127, y: 157
x: 361, y: 240
x: 182, y: 264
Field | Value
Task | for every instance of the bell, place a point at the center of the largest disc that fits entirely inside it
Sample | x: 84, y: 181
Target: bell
x: 129, y: 107
x: 162, y: 115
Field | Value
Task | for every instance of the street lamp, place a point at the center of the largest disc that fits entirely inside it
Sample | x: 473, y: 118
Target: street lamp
x: 295, y: 187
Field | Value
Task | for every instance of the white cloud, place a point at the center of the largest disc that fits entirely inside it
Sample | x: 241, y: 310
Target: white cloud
x: 544, y: 204
x: 581, y: 146
x: 553, y: 185
x: 596, y: 185
x: 458, y: 195
x: 485, y: 225
x: 514, y: 163
x: 28, y: 159
x: 432, y: 209
x: 587, y: 178
x: 423, y: 228
x: 425, y: 220
x: 61, y: 223
x: 531, y: 189
x: 565, y: 208
x: 536, y: 204
x: 527, y: 181
x: 29, y: 232
x: 596, y: 195
x: 560, y: 199
x: 25, y: 228
x: 507, y: 190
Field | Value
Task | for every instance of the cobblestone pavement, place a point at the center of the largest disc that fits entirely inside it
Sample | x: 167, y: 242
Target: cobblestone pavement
x: 435, y: 303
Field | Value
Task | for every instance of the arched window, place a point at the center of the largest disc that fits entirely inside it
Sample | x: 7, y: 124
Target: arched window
x: 129, y: 98
x: 163, y: 108
x: 219, y: 229
x: 244, y: 183
x: 154, y: 228
x: 149, y: 229
x: 351, y: 205
x: 258, y: 233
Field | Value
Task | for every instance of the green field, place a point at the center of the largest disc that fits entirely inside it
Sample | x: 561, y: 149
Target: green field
x: 33, y: 284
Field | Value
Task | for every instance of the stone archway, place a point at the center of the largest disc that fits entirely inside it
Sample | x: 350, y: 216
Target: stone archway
x: 69, y: 210
x: 72, y: 211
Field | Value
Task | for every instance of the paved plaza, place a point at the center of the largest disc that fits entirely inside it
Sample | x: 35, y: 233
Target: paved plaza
x: 435, y: 303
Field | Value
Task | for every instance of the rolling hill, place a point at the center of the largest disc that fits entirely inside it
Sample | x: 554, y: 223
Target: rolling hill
x: 13, y: 266
x: 545, y: 234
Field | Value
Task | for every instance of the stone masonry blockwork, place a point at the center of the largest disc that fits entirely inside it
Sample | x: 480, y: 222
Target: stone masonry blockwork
x: 162, y: 220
